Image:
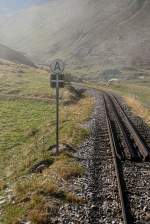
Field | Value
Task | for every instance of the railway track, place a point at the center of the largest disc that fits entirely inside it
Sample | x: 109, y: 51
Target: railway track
x: 102, y: 182
x: 126, y: 214
x: 126, y: 145
x: 117, y: 180
x: 136, y: 148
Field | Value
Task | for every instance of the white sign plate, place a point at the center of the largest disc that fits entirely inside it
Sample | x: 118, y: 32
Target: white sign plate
x: 57, y: 66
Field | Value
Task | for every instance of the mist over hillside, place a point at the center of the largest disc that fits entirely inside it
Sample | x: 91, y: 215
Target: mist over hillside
x: 14, y: 56
x: 86, y: 33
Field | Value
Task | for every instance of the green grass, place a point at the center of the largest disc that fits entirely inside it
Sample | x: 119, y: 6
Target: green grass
x: 20, y: 147
x: 25, y: 82
x: 27, y: 130
x: 17, y: 119
x: 13, y: 214
x: 133, y: 87
x: 137, y: 90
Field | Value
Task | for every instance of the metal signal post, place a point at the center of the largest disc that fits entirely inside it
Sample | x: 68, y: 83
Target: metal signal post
x: 57, y: 81
x: 57, y: 115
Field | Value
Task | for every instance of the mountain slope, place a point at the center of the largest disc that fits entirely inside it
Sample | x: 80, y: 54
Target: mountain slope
x: 14, y: 56
x: 86, y: 33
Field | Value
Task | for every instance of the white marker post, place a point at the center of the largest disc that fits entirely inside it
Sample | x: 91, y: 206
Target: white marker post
x: 57, y: 81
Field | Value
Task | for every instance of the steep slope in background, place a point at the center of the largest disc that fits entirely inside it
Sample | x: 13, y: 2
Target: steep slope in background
x: 14, y: 56
x: 83, y: 32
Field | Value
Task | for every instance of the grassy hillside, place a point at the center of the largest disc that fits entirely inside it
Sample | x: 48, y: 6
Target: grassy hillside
x: 136, y: 91
x: 137, y: 95
x: 27, y: 131
x: 14, y: 56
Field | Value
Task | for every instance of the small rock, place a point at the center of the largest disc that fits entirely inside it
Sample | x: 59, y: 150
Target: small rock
x: 25, y: 222
x: 145, y: 209
x: 147, y: 217
x: 93, y: 206
x: 2, y: 202
x: 62, y: 148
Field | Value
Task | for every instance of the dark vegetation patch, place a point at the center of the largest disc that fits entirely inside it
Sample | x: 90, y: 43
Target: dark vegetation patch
x: 109, y: 74
x: 78, y: 93
x: 75, y: 95
x: 14, y: 91
x: 40, y: 166
x: 32, y: 132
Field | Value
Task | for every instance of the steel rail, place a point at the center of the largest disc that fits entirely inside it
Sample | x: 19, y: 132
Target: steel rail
x: 124, y: 209
x: 129, y: 153
x: 137, y: 139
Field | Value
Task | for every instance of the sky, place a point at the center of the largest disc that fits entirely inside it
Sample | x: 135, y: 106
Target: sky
x: 8, y: 7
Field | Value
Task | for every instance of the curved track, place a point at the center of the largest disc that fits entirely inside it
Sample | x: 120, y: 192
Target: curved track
x: 126, y: 144
x: 116, y: 184
x: 136, y: 148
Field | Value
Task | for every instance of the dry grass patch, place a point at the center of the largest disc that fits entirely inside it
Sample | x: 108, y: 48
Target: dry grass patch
x: 72, y: 118
x: 13, y: 214
x: 24, y: 189
x: 72, y: 198
x: 66, y: 168
x: 38, y: 210
x: 38, y: 197
x: 68, y: 171
x: 3, y: 185
x: 38, y: 216
x: 78, y: 112
x: 137, y: 107
x: 31, y: 195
